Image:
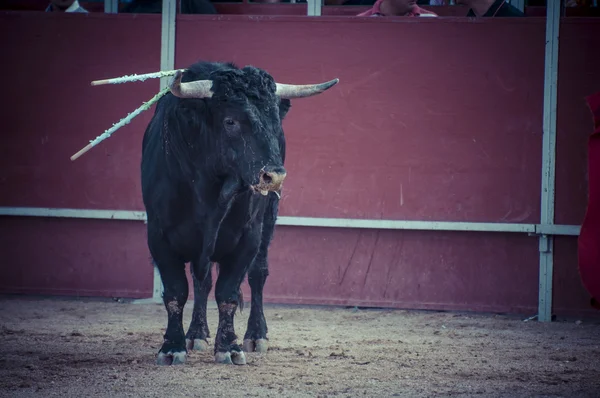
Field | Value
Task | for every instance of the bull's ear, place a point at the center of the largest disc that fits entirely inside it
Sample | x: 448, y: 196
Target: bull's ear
x: 284, y: 107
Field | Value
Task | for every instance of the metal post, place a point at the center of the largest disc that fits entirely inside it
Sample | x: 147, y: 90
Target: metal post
x: 167, y: 62
x: 313, y: 8
x: 167, y: 39
x: 111, y: 6
x: 546, y: 243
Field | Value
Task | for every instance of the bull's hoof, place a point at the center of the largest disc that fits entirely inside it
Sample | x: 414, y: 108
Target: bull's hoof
x: 171, y: 358
x: 233, y: 357
x: 258, y: 345
x: 196, y: 344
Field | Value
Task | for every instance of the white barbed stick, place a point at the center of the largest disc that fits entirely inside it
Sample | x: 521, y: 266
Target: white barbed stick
x: 145, y: 106
x: 136, y: 77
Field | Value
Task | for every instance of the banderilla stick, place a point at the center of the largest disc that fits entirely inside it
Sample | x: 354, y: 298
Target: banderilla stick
x: 145, y: 106
x: 135, y: 77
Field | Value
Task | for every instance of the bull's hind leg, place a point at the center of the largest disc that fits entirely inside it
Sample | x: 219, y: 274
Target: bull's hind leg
x: 172, y: 273
x: 198, y: 332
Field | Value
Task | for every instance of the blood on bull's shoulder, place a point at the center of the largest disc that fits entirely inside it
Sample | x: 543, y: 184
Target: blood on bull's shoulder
x: 213, y: 167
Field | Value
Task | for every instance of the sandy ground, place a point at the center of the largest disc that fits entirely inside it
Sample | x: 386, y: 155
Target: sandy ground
x: 96, y: 348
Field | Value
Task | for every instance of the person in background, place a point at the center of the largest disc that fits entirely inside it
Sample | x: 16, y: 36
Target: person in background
x: 491, y: 8
x: 155, y: 7
x: 579, y: 3
x: 65, y: 6
x: 406, y: 8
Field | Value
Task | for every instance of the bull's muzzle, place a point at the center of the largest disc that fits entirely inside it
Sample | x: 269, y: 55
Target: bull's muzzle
x: 270, y: 179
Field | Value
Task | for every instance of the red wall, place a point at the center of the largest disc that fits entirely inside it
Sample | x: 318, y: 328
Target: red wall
x: 401, y: 137
x: 50, y: 111
x: 445, y: 124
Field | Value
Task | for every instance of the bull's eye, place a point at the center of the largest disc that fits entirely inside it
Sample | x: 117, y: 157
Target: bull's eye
x: 231, y: 127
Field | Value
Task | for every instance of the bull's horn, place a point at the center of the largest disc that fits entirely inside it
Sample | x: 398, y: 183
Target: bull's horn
x: 290, y: 91
x: 195, y: 89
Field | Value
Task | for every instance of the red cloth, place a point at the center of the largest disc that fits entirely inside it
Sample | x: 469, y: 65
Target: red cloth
x: 416, y: 11
x: 589, y: 237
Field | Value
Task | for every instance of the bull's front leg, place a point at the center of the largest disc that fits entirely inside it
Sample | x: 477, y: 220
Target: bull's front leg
x: 172, y: 272
x: 227, y: 293
x: 255, y: 338
x: 198, y: 331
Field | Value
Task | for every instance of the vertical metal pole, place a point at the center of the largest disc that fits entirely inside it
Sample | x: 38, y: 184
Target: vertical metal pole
x: 167, y: 62
x: 313, y: 8
x: 111, y: 6
x: 546, y: 243
x: 167, y: 39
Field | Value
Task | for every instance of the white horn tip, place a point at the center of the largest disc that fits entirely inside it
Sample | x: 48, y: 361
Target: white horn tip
x: 331, y: 83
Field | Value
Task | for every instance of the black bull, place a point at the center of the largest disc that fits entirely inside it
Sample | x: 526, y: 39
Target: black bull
x: 212, y: 169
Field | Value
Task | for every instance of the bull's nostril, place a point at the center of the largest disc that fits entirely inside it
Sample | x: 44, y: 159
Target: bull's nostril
x: 267, y: 178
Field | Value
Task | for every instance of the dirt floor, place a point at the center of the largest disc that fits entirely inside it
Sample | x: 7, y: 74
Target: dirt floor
x: 96, y: 348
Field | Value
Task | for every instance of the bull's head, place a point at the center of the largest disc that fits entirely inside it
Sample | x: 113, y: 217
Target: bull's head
x: 246, y: 108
